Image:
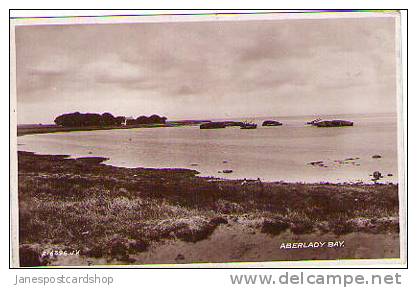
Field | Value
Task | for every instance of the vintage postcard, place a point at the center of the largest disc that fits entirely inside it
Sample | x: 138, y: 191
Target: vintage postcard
x: 259, y: 139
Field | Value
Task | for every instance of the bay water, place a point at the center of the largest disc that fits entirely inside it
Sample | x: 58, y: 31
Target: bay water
x: 293, y: 152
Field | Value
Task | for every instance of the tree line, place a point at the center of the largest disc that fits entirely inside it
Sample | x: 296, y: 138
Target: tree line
x: 78, y: 119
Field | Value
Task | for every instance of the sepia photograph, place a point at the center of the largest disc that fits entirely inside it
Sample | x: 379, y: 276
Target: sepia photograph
x: 266, y: 138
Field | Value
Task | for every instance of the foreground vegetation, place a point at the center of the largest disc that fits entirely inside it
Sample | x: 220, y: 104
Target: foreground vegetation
x: 112, y: 212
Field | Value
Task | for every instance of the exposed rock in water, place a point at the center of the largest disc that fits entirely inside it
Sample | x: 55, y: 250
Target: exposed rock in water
x: 213, y: 125
x: 248, y: 125
x: 377, y: 175
x: 313, y: 121
x: 316, y: 163
x: 222, y: 124
x: 271, y: 123
x: 233, y: 123
x: 333, y: 123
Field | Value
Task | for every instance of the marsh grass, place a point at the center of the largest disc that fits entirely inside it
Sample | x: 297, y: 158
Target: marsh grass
x: 114, y: 212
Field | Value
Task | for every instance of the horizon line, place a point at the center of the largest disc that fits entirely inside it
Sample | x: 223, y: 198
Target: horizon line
x: 238, y: 117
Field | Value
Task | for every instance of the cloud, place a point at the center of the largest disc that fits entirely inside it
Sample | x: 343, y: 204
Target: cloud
x: 229, y: 66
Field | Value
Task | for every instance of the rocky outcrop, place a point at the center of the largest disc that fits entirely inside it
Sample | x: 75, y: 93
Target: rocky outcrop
x: 376, y: 176
x: 233, y: 124
x: 213, y: 125
x: 313, y: 121
x: 271, y: 123
x: 333, y: 123
x: 248, y: 125
x: 221, y: 124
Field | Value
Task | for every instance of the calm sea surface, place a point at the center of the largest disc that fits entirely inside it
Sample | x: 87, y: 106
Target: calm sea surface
x: 270, y: 153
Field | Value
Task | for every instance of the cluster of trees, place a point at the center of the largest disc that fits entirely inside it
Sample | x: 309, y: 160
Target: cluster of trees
x: 78, y: 119
x: 154, y: 119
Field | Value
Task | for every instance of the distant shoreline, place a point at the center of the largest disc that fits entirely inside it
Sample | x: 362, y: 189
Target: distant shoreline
x: 28, y: 129
x: 43, y: 129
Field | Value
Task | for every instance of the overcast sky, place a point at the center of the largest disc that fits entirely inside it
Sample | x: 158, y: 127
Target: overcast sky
x: 200, y: 70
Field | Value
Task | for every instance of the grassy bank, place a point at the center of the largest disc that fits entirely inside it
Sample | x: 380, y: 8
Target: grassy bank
x: 110, y: 212
x: 42, y: 129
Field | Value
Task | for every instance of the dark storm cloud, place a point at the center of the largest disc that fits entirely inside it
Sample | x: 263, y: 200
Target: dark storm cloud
x: 233, y: 68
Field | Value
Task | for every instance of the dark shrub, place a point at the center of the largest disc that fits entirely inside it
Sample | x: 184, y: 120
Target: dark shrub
x: 30, y: 256
x: 341, y: 226
x: 302, y: 227
x: 195, y: 235
x: 118, y: 248
x: 138, y: 245
x: 96, y: 251
x: 274, y: 226
x: 218, y: 220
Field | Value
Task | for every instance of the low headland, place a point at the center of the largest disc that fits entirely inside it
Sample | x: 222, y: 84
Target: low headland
x: 141, y: 215
x: 42, y: 129
x: 77, y: 121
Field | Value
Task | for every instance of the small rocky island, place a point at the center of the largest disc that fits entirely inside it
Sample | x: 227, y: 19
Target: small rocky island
x: 331, y: 123
x: 271, y: 123
x: 221, y: 124
x: 233, y: 123
x: 213, y: 125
